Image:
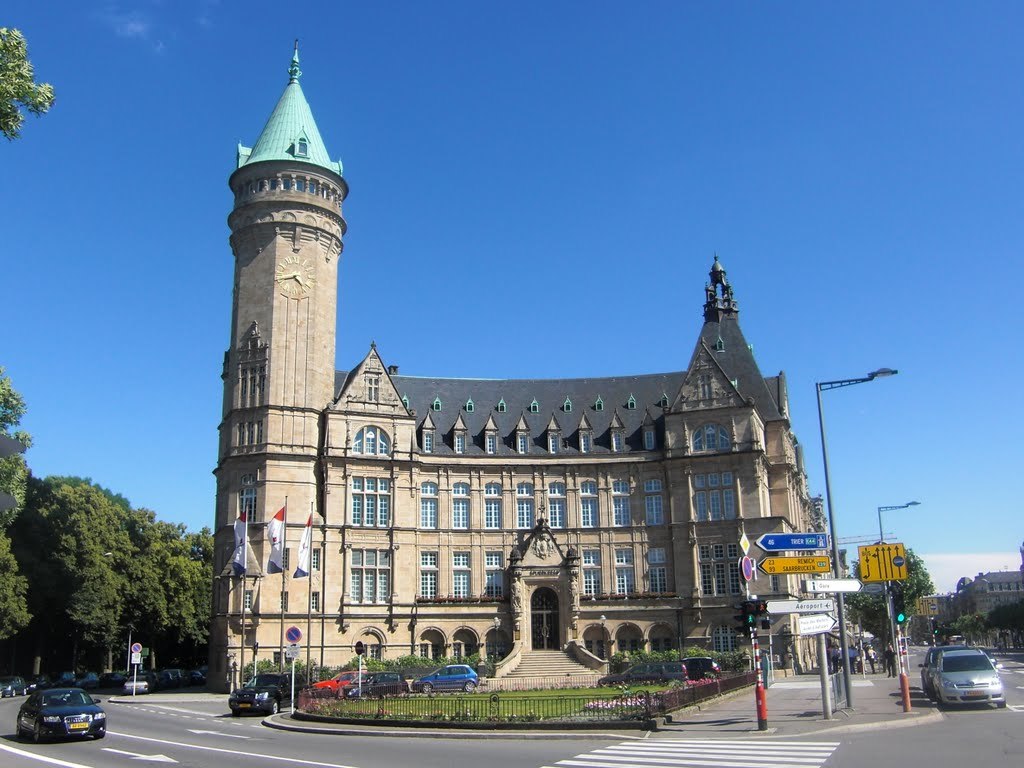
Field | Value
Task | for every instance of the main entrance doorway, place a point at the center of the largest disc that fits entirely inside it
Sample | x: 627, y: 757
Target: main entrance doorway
x: 544, y: 619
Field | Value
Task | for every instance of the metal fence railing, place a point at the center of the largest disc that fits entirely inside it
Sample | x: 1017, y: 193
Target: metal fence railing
x: 627, y: 705
x: 838, y: 690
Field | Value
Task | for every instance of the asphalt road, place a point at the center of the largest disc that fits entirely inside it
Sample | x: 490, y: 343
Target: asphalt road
x: 201, y: 734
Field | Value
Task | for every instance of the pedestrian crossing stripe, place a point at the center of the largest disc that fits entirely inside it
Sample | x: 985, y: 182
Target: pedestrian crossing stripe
x: 1017, y: 707
x: 713, y: 753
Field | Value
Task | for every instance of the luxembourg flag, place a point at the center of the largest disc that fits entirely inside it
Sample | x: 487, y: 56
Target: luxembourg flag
x: 275, y: 533
x: 241, y: 545
x: 302, y: 566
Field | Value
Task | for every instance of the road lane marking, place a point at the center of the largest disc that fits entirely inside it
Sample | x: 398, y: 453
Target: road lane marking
x: 221, y: 733
x: 42, y: 758
x: 139, y: 756
x: 226, y: 751
x: 720, y: 753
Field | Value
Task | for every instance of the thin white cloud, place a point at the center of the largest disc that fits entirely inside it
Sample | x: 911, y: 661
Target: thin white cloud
x: 947, y: 568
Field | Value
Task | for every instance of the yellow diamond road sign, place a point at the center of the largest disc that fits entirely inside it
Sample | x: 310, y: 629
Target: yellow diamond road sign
x: 776, y: 565
x: 744, y: 543
x: 882, y: 562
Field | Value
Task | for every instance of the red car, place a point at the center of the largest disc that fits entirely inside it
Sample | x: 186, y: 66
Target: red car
x: 339, y: 682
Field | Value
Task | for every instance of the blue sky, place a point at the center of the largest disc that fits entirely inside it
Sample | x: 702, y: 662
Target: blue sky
x: 537, y: 190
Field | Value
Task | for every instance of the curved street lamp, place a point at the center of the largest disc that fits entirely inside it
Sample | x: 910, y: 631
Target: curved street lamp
x: 820, y: 387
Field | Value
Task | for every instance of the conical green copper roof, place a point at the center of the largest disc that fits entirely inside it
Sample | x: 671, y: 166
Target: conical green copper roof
x: 291, y: 133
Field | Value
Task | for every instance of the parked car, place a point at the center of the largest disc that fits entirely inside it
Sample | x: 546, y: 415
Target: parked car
x: 265, y: 693
x: 12, y: 686
x: 650, y: 672
x: 196, y: 676
x: 929, y: 665
x: 170, y: 678
x: 139, y: 683
x: 38, y: 681
x: 89, y: 681
x: 378, y: 684
x: 61, y: 713
x: 112, y: 679
x: 340, y: 682
x: 63, y: 680
x: 699, y: 667
x: 967, y: 677
x: 454, y: 677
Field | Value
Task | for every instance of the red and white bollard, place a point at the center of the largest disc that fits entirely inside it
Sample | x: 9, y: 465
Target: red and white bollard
x: 760, y: 696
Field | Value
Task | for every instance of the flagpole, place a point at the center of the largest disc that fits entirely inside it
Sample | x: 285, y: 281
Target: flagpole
x: 245, y: 563
x: 309, y: 602
x: 284, y: 576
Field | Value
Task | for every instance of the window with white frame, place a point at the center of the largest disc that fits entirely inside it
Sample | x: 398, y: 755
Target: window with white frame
x: 652, y: 502
x: 657, y: 574
x: 719, y: 569
x: 460, y: 442
x: 373, y: 387
x: 247, y: 496
x: 371, y: 502
x: 314, y: 602
x: 370, y: 576
x: 428, y: 505
x: 247, y: 599
x: 491, y: 441
x: 556, y: 505
x: 522, y: 442
x: 625, y: 579
x: 711, y: 437
x: 524, y: 505
x: 620, y: 502
x: 460, y: 505
x: 553, y: 440
x: 617, y: 441
x: 314, y: 559
x: 586, y: 441
x: 591, y: 559
x: 588, y: 504
x: 460, y: 574
x: 428, y: 441
x: 650, y: 441
x: 494, y: 567
x: 492, y: 506
x: 714, y: 497
x: 723, y: 639
x: 428, y: 574
x: 372, y: 441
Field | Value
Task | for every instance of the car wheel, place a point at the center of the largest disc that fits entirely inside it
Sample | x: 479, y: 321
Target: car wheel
x: 275, y: 707
x: 37, y: 733
x: 428, y: 688
x: 469, y: 687
x: 1001, y: 704
x: 235, y: 713
x: 100, y: 735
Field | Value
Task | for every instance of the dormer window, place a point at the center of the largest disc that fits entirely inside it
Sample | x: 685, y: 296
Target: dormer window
x: 491, y: 442
x: 664, y: 401
x: 650, y: 440
x: 469, y: 406
x: 301, y: 147
x: 719, y: 345
x: 522, y: 442
x: 428, y: 441
x: 436, y: 405
x: 405, y: 401
x: 460, y: 442
x: 501, y: 406
x: 553, y: 440
x: 631, y: 403
x: 599, y: 404
x: 617, y: 441
x: 567, y: 405
x: 535, y: 406
x: 586, y: 441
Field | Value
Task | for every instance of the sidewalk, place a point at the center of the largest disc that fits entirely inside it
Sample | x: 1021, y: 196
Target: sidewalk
x: 795, y: 709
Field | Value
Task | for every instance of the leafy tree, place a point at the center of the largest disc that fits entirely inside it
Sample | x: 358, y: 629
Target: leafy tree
x: 14, y: 614
x: 972, y: 626
x: 870, y: 610
x: 17, y: 85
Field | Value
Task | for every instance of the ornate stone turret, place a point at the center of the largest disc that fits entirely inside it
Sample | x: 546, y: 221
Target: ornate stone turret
x: 720, y: 301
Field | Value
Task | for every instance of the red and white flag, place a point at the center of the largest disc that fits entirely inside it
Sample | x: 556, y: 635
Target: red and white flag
x: 302, y: 566
x: 275, y: 534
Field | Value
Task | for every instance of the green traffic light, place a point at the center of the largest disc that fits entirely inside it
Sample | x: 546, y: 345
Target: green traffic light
x: 901, y: 618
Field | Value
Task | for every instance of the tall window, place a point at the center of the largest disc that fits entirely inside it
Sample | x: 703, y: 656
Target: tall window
x: 428, y: 505
x: 428, y: 441
x: 460, y: 442
x: 495, y: 573
x: 556, y: 505
x: 586, y: 441
x: 247, y: 496
x: 314, y: 602
x: 373, y: 387
x: 524, y: 505
x: 714, y: 497
x: 588, y: 504
x: 522, y: 442
x: 723, y: 639
x: 371, y: 502
x: 711, y: 437
x: 656, y: 572
x: 591, y: 571
x: 704, y: 385
x: 428, y: 574
x: 553, y: 440
x: 719, y: 569
x: 314, y: 559
x: 247, y: 599
x: 650, y: 441
x: 625, y: 580
x: 620, y: 502
x: 617, y: 441
x: 370, y: 576
x: 492, y: 506
x: 460, y: 505
x: 652, y: 502
x: 372, y: 441
x: 460, y: 574
x: 252, y: 383
x: 491, y: 441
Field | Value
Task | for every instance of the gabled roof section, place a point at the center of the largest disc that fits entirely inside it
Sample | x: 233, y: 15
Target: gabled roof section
x: 491, y: 425
x: 553, y: 425
x: 584, y: 423
x: 291, y: 133
x: 616, y: 422
x: 522, y: 424
x: 355, y: 392
x: 459, y: 425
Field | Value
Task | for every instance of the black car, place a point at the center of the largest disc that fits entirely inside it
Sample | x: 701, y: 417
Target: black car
x: 379, y: 684
x: 699, y: 667
x: 112, y: 680
x: 265, y: 693
x: 37, y: 682
x: 13, y: 686
x: 61, y: 713
x: 170, y: 678
x: 90, y: 681
x: 197, y: 676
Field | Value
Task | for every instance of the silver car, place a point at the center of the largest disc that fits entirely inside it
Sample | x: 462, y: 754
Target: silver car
x: 967, y: 677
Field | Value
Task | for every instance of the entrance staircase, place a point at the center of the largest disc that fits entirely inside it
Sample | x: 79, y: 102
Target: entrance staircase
x: 547, y: 669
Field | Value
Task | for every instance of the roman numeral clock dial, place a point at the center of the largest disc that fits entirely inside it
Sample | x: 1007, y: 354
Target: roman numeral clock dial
x: 295, y: 277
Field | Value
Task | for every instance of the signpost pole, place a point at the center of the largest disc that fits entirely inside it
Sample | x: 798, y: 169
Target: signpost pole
x: 293, y: 685
x: 826, y: 699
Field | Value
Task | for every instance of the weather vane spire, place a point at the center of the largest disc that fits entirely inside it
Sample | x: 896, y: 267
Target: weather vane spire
x: 294, y: 73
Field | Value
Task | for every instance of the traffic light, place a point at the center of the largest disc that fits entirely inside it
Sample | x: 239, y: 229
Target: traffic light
x: 935, y: 627
x: 747, y: 617
x: 899, y: 608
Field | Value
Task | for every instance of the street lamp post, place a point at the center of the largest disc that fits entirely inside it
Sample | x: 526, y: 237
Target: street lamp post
x: 819, y: 388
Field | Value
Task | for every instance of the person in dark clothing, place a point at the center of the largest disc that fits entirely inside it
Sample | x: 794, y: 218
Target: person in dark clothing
x: 890, y: 660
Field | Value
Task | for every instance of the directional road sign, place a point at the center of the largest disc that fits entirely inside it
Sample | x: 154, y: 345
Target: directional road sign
x: 883, y: 562
x: 832, y: 585
x: 781, y: 542
x: 816, y: 623
x: 928, y: 606
x: 801, y: 606
x: 774, y: 565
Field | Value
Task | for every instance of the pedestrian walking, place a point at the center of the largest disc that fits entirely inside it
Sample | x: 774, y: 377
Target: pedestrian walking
x: 890, y: 660
x: 872, y: 658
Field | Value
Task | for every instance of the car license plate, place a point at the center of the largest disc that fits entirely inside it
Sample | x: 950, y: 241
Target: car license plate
x: 975, y: 694
x: 244, y: 705
x: 79, y: 726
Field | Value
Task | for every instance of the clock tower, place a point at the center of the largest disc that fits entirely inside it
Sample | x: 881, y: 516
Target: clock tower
x: 286, y: 237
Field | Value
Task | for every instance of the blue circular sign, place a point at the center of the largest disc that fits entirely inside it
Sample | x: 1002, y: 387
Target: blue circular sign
x: 898, y: 561
x: 293, y: 634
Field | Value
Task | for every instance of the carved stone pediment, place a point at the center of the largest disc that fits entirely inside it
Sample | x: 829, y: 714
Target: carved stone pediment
x: 540, y: 549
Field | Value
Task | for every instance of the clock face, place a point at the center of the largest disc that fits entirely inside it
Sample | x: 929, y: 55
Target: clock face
x: 295, y: 277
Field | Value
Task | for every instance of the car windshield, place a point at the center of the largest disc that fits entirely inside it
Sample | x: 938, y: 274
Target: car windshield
x: 67, y: 699
x: 972, y: 663
x: 7, y: 680
x: 261, y: 681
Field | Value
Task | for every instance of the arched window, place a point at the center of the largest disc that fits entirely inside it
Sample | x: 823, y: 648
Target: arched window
x: 372, y: 441
x: 711, y: 437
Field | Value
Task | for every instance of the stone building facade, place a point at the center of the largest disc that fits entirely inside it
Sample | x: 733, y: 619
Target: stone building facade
x: 450, y: 516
